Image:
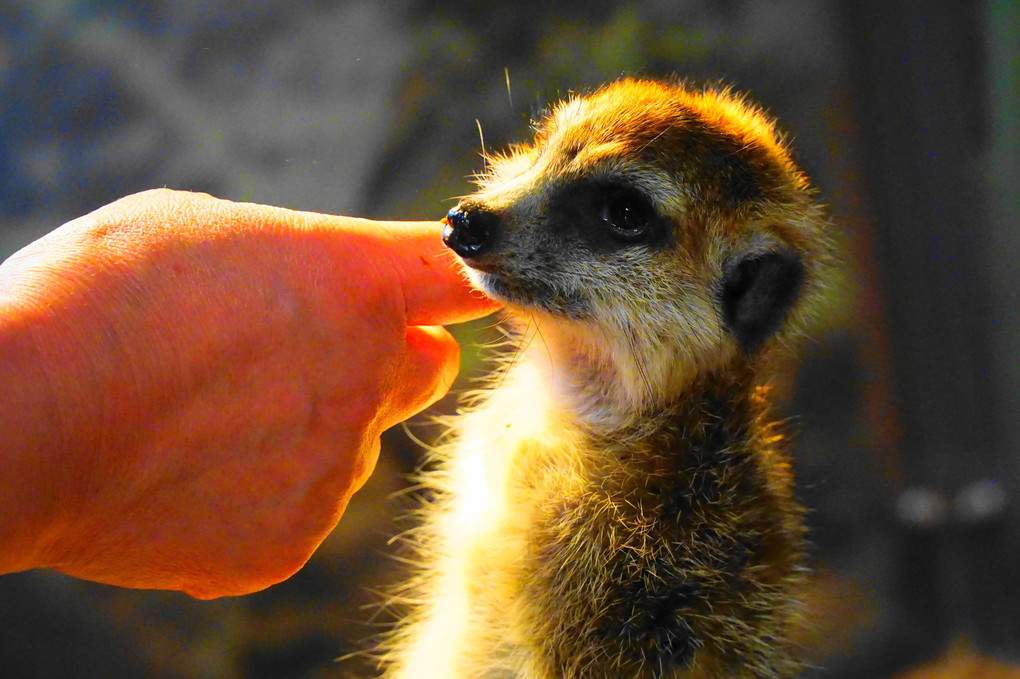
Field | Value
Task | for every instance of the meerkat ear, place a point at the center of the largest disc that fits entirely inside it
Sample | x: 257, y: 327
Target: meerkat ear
x: 758, y: 289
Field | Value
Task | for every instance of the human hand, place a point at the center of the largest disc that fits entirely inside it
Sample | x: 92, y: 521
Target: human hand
x: 202, y: 384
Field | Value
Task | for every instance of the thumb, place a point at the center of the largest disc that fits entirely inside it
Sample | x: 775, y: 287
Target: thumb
x: 429, y: 366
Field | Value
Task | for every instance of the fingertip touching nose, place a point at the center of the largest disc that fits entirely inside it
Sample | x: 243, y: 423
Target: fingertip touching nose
x: 470, y: 232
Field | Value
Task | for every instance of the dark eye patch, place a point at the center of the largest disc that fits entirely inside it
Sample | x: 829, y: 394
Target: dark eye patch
x: 606, y: 215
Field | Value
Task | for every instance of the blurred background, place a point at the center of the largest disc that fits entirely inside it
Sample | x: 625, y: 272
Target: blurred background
x: 904, y: 112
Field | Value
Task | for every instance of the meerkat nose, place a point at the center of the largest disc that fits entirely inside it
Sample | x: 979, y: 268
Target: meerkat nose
x: 470, y: 232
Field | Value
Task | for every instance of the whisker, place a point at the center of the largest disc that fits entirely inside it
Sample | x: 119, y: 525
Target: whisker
x: 510, y: 96
x: 481, y: 140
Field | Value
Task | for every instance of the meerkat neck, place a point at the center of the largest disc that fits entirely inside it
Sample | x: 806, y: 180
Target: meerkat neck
x: 612, y: 386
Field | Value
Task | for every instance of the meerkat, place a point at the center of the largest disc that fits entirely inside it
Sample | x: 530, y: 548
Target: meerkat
x: 618, y: 503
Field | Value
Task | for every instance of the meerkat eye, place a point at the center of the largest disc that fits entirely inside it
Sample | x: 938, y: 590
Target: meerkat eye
x: 628, y: 215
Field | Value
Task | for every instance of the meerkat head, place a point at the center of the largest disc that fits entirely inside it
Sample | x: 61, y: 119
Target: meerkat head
x: 650, y: 230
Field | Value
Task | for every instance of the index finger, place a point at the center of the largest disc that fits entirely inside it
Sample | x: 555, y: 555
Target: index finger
x: 436, y: 288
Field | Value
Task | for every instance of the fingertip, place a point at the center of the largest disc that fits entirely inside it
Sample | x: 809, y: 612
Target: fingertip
x: 436, y: 287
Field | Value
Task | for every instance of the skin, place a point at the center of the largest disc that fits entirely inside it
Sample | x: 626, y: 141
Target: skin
x: 193, y: 388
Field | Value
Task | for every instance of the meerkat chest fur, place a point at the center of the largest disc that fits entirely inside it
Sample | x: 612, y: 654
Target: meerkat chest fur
x: 618, y: 503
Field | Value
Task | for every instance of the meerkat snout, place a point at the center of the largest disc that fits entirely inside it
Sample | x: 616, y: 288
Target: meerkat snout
x: 470, y: 233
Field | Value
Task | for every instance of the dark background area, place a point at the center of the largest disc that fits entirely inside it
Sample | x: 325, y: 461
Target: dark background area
x: 905, y: 113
